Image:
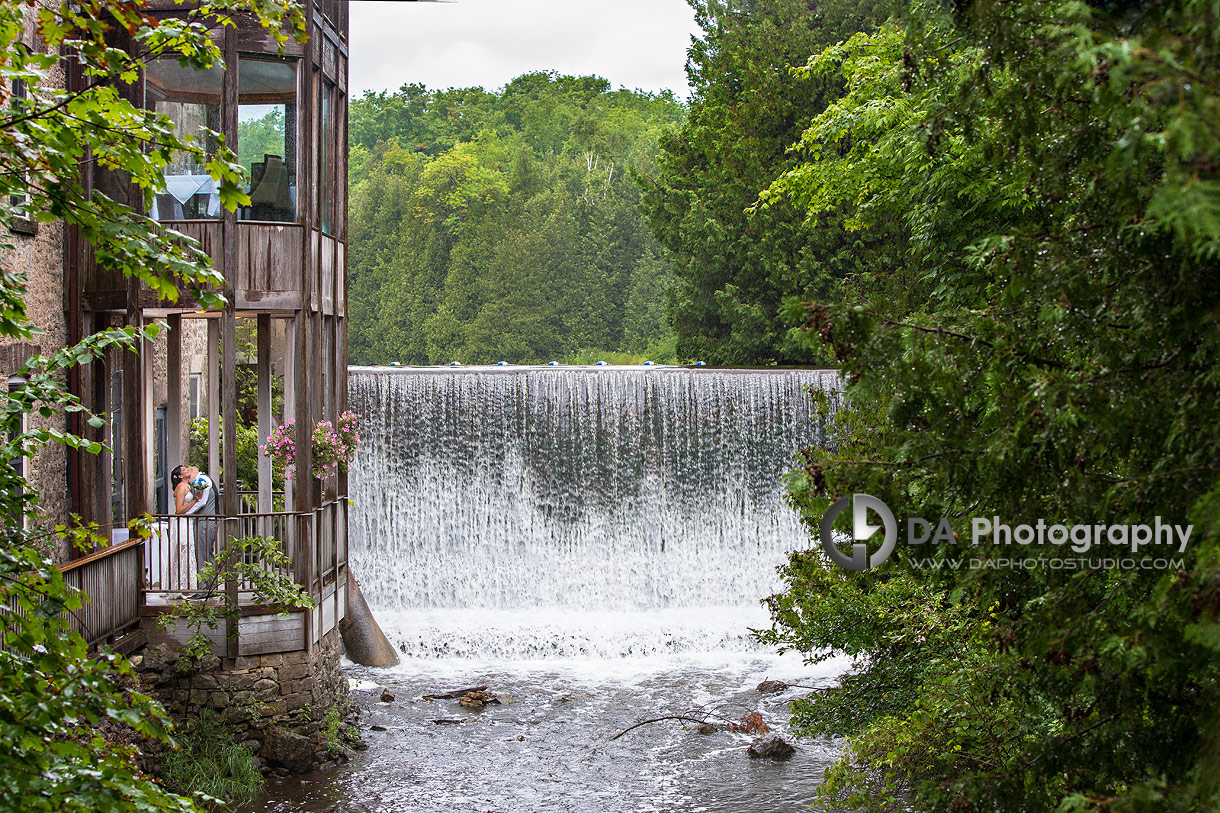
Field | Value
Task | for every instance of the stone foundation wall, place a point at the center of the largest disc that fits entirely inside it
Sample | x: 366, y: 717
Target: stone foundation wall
x: 275, y: 705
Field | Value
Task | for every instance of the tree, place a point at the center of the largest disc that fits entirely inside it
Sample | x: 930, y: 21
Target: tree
x: 1055, y: 168
x: 734, y: 270
x: 503, y: 226
x: 55, y: 698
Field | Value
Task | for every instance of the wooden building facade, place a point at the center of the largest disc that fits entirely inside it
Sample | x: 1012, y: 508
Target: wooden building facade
x: 284, y: 263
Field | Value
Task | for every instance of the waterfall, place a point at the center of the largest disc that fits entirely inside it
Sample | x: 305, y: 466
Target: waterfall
x: 527, y: 512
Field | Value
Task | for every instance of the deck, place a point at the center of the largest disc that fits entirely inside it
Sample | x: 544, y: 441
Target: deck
x: 132, y: 583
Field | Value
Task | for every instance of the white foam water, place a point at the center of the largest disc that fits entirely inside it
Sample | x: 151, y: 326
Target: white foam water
x: 556, y: 514
x: 592, y: 545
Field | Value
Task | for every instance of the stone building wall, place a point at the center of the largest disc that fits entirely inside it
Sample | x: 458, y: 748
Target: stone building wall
x: 38, y: 253
x: 275, y: 705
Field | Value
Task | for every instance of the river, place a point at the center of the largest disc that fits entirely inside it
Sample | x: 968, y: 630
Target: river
x: 591, y: 544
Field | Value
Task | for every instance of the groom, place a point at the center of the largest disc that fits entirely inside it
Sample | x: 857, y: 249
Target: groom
x: 204, y: 504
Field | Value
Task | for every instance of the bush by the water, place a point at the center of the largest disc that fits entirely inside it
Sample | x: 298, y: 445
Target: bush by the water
x: 209, y: 762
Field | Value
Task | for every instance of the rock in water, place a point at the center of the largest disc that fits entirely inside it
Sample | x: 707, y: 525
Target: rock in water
x: 387, y: 696
x: 772, y: 686
x: 476, y: 699
x: 366, y: 643
x: 750, y: 723
x: 289, y: 750
x: 771, y: 747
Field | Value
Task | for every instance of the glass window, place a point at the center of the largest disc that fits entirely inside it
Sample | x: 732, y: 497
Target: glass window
x: 267, y: 137
x: 21, y: 220
x: 17, y: 101
x: 191, y: 99
x: 194, y: 411
x: 326, y: 157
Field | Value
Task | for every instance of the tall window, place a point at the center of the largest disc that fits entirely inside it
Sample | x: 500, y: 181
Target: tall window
x: 196, y: 379
x: 267, y: 137
x: 22, y: 220
x: 191, y: 99
x: 326, y: 158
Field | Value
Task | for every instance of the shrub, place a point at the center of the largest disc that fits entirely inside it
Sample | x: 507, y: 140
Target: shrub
x: 209, y: 762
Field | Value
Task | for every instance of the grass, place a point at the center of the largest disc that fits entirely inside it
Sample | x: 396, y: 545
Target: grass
x: 335, y: 730
x: 334, y: 719
x: 209, y: 762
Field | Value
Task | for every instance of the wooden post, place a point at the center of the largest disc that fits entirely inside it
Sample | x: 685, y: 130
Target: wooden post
x: 173, y: 401
x: 103, y: 471
x: 95, y: 496
x: 341, y: 372
x: 307, y: 539
x: 148, y: 449
x: 291, y: 329
x: 317, y: 394
x: 135, y: 435
x: 79, y: 500
x: 303, y: 501
x: 213, y: 387
x: 264, y: 411
x: 228, y: 235
x: 135, y: 500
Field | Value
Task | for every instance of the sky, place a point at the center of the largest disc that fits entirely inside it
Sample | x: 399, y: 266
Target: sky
x: 485, y: 43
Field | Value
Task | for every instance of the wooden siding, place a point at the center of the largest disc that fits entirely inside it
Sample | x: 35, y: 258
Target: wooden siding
x: 268, y: 259
x: 256, y: 634
x: 270, y: 268
x: 315, y: 251
x: 341, y: 286
x: 328, y: 275
x: 266, y: 634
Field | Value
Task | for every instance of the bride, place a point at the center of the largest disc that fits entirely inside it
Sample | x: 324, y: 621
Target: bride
x: 195, y: 493
x: 173, y: 560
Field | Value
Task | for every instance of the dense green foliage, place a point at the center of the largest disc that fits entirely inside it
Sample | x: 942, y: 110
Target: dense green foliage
x: 56, y: 701
x: 1055, y: 168
x: 734, y: 270
x: 504, y: 226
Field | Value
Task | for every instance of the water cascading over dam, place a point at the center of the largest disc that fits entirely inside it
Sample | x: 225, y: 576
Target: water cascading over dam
x: 541, y: 513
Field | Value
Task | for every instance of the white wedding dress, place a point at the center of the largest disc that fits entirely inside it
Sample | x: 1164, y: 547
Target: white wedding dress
x: 169, y: 559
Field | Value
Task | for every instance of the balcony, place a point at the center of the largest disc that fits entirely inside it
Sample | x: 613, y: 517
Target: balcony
x: 131, y: 583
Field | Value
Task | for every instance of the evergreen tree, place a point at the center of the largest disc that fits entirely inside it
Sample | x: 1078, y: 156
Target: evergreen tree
x: 1054, y: 167
x: 500, y: 226
x: 734, y: 270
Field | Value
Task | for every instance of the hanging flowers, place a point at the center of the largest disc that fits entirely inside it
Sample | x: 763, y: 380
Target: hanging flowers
x: 334, y: 445
x: 348, y: 427
x: 329, y: 451
x: 281, y: 447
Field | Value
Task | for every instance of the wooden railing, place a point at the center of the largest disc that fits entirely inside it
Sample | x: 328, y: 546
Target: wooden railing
x: 110, y: 578
x: 181, y: 544
x: 249, y: 501
x: 136, y: 578
x: 314, y: 541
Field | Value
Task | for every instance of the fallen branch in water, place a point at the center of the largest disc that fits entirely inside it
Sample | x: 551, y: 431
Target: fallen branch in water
x: 455, y: 694
x: 660, y: 719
